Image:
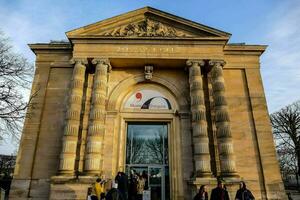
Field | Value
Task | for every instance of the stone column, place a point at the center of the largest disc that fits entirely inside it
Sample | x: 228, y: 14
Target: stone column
x: 96, y: 128
x: 225, y: 146
x: 199, y: 124
x: 69, y: 146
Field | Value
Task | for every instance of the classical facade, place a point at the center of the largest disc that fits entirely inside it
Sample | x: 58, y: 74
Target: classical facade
x: 152, y: 93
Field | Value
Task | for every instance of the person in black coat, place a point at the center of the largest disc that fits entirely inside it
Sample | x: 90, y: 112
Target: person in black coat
x: 219, y: 193
x: 132, y: 189
x: 122, y: 181
x: 243, y: 193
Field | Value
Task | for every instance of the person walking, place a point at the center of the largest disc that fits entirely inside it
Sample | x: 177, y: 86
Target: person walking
x: 243, y: 193
x: 202, y: 194
x: 219, y: 193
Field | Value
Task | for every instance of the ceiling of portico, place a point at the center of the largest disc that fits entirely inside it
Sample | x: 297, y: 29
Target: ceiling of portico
x: 147, y: 23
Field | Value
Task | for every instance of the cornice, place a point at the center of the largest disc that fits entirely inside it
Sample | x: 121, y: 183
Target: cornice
x: 50, y: 46
x: 173, y: 41
x: 144, y: 38
x: 244, y: 49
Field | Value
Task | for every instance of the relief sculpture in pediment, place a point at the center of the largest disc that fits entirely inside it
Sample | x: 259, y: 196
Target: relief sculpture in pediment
x: 146, y: 28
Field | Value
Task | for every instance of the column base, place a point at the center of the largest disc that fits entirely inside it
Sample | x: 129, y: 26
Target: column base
x: 66, y: 173
x: 198, y: 181
x: 229, y: 175
x: 61, y: 179
x: 70, y: 187
x: 92, y: 173
x: 203, y: 175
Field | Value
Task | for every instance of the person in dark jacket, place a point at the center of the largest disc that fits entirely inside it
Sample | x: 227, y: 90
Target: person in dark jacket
x: 202, y: 194
x: 114, y: 193
x: 132, y: 189
x: 243, y: 193
x: 122, y: 181
x: 219, y: 193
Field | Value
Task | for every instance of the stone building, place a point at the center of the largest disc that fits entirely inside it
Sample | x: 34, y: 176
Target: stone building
x: 147, y: 92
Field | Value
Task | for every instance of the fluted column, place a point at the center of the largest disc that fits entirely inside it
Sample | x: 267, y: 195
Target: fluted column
x: 199, y: 124
x: 225, y: 146
x: 96, y: 128
x: 69, y: 146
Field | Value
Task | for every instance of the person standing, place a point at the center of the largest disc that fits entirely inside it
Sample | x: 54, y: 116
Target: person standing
x: 90, y: 195
x: 140, y: 186
x: 202, y: 194
x: 122, y: 181
x: 98, y: 188
x: 114, y: 193
x: 132, y: 191
x: 219, y: 193
x: 243, y: 193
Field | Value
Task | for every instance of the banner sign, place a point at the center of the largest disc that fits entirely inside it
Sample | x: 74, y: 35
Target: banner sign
x: 148, y: 99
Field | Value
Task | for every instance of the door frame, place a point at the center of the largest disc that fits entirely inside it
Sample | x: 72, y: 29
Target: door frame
x: 174, y: 143
x: 160, y: 166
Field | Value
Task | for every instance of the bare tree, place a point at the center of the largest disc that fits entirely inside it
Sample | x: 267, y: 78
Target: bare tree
x: 15, y: 76
x: 157, y: 147
x: 135, y: 151
x: 7, y: 164
x: 286, y: 129
x: 288, y: 164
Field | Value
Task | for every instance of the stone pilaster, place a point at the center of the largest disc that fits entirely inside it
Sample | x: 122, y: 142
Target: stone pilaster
x: 70, y: 138
x: 96, y: 130
x: 199, y: 124
x: 225, y: 146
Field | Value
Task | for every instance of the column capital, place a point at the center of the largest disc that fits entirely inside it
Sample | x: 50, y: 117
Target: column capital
x: 102, y: 61
x: 217, y: 63
x: 193, y: 62
x: 81, y: 61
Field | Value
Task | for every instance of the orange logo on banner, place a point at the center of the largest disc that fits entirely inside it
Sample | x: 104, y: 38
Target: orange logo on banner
x: 138, y: 96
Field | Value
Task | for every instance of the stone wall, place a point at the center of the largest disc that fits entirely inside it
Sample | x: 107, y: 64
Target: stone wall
x: 41, y: 143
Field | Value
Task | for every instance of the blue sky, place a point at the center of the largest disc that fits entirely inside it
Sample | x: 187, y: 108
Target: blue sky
x: 271, y: 22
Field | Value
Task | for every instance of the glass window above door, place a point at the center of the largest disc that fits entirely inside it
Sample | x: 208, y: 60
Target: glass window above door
x: 147, y: 143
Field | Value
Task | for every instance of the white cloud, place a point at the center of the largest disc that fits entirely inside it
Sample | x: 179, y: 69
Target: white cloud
x: 281, y: 62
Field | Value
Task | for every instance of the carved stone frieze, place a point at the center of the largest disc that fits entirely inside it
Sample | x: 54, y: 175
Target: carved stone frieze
x: 147, y: 28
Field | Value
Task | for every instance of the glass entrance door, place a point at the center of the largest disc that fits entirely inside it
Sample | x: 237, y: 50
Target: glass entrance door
x: 156, y: 177
x: 147, y: 160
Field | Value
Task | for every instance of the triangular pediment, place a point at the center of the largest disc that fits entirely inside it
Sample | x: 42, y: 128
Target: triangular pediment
x: 147, y: 23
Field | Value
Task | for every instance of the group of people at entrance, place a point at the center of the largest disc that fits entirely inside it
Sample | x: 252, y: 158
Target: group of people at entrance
x: 121, y: 187
x: 221, y: 193
x: 124, y: 189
